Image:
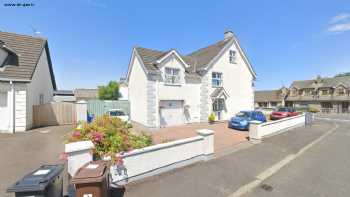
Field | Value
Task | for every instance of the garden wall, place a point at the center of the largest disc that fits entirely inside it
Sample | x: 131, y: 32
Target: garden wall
x: 258, y: 130
x: 159, y: 158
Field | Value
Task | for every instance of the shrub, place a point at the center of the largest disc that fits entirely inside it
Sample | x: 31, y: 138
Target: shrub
x: 211, y: 117
x: 110, y: 135
x: 313, y: 110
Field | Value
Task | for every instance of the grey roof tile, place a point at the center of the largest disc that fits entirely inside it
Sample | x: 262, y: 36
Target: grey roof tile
x: 28, y: 50
x: 197, y: 60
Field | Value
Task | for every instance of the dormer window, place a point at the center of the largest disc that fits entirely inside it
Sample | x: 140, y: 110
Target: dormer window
x: 232, y: 58
x: 172, y: 76
x: 3, y: 56
x: 341, y: 92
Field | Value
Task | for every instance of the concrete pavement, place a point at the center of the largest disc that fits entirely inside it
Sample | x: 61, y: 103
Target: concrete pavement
x: 22, y: 153
x: 224, y: 175
x: 321, y: 171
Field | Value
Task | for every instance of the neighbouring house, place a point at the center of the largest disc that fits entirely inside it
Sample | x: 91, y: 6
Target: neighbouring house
x: 86, y: 94
x: 167, y: 88
x: 270, y: 98
x: 328, y: 94
x: 26, y: 79
x: 123, y: 89
x: 64, y: 96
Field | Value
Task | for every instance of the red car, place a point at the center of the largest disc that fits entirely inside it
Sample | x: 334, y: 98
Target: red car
x: 283, y: 112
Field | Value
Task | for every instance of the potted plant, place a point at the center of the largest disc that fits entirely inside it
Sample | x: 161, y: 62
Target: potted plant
x: 211, y: 118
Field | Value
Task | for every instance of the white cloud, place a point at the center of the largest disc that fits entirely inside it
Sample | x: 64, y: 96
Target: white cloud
x: 340, y: 17
x: 339, y: 23
x: 339, y: 28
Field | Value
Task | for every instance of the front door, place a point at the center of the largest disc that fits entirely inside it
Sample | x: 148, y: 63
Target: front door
x: 218, y: 108
x: 345, y: 107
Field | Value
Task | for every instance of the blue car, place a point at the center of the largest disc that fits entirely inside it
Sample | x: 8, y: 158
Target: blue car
x: 242, y: 119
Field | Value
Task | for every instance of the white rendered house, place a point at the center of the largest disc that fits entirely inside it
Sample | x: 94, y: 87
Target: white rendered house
x: 167, y: 88
x: 26, y: 79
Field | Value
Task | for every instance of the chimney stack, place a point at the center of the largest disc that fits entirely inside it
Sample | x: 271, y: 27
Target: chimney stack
x: 228, y: 34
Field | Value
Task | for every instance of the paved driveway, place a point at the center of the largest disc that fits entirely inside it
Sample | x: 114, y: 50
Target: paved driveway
x: 224, y: 137
x: 22, y: 153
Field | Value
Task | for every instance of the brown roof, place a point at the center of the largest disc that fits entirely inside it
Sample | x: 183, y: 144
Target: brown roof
x: 28, y: 50
x: 267, y: 95
x: 197, y: 60
x: 323, y: 82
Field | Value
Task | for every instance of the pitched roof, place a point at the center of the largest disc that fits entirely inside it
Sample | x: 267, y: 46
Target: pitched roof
x: 267, y: 95
x: 86, y: 93
x: 28, y: 50
x: 323, y: 82
x: 202, y: 57
x: 218, y: 92
x: 197, y: 60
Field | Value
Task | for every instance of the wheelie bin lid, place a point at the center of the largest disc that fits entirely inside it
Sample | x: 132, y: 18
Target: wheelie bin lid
x: 92, y: 172
x: 38, y: 179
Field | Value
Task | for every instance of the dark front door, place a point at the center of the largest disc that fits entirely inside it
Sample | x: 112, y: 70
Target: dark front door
x: 345, y: 107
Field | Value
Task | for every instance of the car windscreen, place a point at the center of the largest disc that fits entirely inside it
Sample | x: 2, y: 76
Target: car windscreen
x: 243, y: 115
x: 283, y: 109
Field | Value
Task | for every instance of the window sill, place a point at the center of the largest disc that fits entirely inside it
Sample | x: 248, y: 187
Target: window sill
x: 172, y: 84
x: 216, y: 86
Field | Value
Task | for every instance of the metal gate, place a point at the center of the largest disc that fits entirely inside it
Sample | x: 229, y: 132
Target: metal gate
x: 100, y: 107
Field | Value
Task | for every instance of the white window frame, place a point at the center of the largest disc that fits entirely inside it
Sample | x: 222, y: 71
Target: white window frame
x: 170, y: 78
x: 218, y: 105
x: 218, y: 79
x: 232, y: 56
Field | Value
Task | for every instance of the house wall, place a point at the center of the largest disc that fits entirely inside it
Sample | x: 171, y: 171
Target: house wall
x: 21, y: 107
x: 237, y: 81
x: 6, y: 114
x: 188, y: 91
x: 138, y: 93
x: 41, y: 84
x: 5, y: 109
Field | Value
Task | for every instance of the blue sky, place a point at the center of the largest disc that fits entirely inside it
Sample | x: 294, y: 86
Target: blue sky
x: 91, y: 40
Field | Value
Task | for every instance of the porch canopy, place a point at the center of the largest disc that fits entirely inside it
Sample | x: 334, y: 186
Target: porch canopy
x: 219, y: 93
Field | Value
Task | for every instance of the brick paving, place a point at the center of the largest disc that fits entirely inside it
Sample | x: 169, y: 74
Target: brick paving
x: 224, y: 137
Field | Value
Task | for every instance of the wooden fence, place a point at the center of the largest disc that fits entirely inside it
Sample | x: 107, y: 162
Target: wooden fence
x: 51, y: 114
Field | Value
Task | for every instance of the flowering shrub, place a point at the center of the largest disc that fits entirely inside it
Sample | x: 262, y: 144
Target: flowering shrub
x: 110, y: 135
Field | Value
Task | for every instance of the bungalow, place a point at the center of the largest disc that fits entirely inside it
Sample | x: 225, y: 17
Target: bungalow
x: 167, y: 88
x: 26, y: 79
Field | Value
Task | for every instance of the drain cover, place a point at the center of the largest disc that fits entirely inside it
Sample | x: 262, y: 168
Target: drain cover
x: 266, y: 187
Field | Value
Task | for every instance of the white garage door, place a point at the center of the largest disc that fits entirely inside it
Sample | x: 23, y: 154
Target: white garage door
x: 171, y: 113
x: 4, y: 112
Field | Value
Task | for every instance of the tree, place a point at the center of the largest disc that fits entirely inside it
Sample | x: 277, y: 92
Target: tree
x: 109, y: 92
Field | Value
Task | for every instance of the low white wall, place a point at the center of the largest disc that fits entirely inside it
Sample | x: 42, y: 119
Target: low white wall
x: 78, y: 154
x: 159, y: 158
x: 258, y: 130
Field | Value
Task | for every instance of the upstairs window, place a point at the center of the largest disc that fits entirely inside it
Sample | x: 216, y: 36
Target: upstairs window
x: 232, y: 58
x: 216, y: 79
x: 341, y: 92
x: 324, y: 92
x: 172, y: 76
